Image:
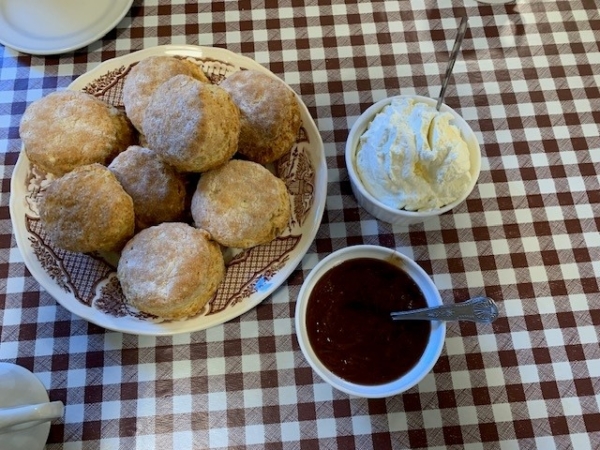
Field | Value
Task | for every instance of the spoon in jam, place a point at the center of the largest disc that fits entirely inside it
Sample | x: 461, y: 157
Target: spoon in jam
x: 478, y: 309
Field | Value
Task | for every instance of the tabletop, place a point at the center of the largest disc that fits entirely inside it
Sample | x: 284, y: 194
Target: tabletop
x: 527, y: 82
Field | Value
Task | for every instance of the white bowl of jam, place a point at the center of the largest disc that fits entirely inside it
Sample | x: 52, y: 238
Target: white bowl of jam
x: 344, y: 328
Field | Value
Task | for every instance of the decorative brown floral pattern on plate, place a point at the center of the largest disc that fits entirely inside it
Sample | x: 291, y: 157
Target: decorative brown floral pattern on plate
x: 91, y: 279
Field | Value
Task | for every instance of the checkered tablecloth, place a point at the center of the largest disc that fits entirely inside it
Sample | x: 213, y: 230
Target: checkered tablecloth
x: 527, y: 81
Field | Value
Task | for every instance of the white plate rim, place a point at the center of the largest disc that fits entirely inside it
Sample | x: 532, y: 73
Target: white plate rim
x: 18, y: 192
x: 9, y: 36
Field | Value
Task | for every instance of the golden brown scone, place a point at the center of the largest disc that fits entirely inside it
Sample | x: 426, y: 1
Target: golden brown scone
x: 68, y: 129
x: 87, y: 210
x: 157, y: 190
x: 170, y: 270
x: 241, y: 204
x: 192, y: 125
x: 270, y: 115
x: 146, y: 76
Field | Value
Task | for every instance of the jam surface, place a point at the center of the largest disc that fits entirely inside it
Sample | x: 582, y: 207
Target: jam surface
x: 349, y: 326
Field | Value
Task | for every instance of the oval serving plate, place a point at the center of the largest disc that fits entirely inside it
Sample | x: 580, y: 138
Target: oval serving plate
x: 86, y: 284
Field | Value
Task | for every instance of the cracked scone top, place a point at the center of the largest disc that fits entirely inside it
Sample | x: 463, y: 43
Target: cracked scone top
x: 193, y: 126
x: 87, y: 210
x: 146, y: 76
x: 157, y: 190
x: 68, y: 129
x: 270, y: 115
x: 241, y: 204
x: 170, y: 270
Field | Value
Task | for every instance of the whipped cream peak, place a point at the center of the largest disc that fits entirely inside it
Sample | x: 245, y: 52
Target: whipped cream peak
x: 413, y: 157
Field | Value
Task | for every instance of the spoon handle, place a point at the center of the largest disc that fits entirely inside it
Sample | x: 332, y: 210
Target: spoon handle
x: 479, y: 309
x: 457, y: 43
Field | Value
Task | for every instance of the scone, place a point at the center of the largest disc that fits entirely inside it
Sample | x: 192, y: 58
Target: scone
x: 170, y: 270
x: 270, y: 115
x: 87, y: 210
x: 241, y: 204
x: 157, y: 190
x: 146, y: 76
x: 68, y: 129
x: 192, y: 125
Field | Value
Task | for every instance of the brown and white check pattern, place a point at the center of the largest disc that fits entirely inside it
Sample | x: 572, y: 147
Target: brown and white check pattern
x: 526, y: 81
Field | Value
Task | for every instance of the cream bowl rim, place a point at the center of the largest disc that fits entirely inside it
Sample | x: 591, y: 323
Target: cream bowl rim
x: 361, y: 125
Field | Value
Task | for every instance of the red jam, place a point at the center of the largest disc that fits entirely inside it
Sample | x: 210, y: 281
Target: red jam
x: 349, y: 326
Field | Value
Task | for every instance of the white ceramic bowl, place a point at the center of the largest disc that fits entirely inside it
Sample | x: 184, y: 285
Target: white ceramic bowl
x: 432, y: 350
x: 401, y: 216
